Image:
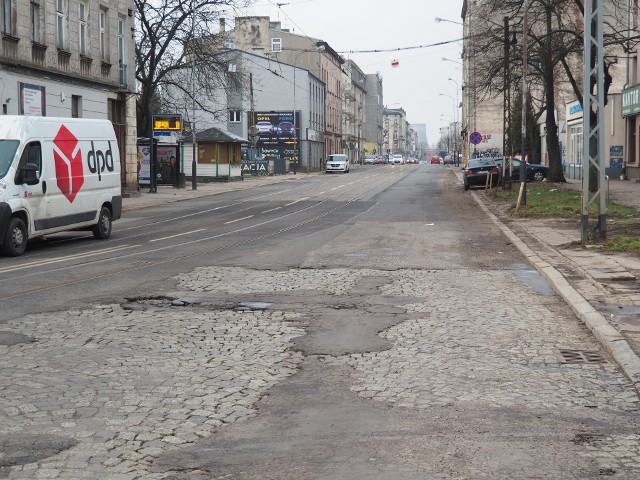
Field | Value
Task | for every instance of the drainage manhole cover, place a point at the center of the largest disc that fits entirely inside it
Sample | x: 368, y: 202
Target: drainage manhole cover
x: 581, y: 356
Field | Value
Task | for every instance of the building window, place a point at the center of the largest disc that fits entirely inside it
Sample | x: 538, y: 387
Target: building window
x: 76, y: 106
x: 235, y: 116
x: 7, y: 16
x: 575, y: 140
x: 121, y: 58
x: 36, y: 32
x: 103, y: 35
x: 61, y: 23
x: 83, y: 16
x: 229, y: 43
x: 276, y: 44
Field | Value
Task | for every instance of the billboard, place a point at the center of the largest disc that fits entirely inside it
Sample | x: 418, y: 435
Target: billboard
x: 278, y: 134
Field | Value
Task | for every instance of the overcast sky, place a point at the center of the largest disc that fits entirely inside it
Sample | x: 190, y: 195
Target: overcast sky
x: 355, y: 25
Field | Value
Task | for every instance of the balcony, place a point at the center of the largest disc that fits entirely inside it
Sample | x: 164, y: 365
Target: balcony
x: 38, y: 53
x: 63, y: 59
x: 85, y: 65
x: 9, y: 46
x: 105, y: 68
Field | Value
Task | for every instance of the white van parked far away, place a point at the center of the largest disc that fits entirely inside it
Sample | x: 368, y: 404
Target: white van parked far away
x: 337, y: 163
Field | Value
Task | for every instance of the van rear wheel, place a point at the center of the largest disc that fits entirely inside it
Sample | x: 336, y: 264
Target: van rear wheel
x: 15, y: 239
x: 102, y: 229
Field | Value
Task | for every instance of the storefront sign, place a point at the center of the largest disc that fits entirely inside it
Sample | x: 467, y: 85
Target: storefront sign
x: 631, y: 101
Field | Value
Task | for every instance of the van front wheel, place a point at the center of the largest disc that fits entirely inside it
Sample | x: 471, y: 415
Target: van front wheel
x: 15, y: 240
x: 102, y: 229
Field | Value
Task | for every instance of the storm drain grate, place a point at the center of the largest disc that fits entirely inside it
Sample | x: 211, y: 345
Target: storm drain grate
x: 581, y: 356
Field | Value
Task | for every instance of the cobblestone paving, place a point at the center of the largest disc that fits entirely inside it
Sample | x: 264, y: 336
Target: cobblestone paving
x: 129, y: 384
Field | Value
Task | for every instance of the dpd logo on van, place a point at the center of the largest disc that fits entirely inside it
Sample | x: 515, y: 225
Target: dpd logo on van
x: 68, y: 163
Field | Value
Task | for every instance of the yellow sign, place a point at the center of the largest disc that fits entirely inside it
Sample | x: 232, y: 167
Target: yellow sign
x: 167, y: 123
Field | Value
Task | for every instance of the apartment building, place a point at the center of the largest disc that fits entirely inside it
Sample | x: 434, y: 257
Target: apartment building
x: 374, y: 109
x: 353, y: 111
x: 261, y: 36
x: 485, y: 113
x: 72, y: 58
x: 395, y: 131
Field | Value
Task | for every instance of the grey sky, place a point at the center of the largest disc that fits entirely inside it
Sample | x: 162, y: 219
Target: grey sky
x: 353, y: 25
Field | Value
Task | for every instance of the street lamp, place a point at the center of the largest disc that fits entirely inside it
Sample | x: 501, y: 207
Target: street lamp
x: 439, y: 20
x: 456, y: 120
x: 444, y: 59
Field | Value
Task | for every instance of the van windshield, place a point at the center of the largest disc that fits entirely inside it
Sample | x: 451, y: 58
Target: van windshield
x: 7, y: 152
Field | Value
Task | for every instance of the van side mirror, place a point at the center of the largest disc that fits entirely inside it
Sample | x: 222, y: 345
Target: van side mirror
x: 28, y: 174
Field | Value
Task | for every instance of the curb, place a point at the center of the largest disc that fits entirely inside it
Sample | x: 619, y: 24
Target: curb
x: 612, y: 340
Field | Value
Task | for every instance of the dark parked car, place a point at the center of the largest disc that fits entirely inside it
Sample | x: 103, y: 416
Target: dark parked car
x: 476, y: 171
x: 535, y: 172
x: 285, y: 129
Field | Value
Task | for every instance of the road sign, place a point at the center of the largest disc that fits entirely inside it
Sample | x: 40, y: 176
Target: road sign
x: 475, y: 138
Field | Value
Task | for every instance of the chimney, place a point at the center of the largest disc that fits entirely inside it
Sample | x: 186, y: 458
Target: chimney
x: 222, y: 25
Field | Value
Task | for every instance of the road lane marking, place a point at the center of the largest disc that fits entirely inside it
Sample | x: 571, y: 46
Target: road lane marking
x: 239, y: 219
x: 62, y: 259
x: 272, y: 210
x: 293, y: 203
x: 177, y: 235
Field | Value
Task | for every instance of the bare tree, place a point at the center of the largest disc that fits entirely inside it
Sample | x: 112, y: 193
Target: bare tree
x: 555, y: 60
x: 171, y: 36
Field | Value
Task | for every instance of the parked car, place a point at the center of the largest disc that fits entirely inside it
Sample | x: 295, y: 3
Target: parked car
x: 369, y: 160
x: 476, y: 171
x: 337, y: 163
x: 264, y: 128
x: 436, y: 160
x: 285, y: 129
x: 448, y: 160
x: 535, y: 172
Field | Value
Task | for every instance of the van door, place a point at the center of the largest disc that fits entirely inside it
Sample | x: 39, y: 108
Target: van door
x: 34, y: 197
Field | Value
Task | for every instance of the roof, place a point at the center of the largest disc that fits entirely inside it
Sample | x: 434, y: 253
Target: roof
x: 215, y: 135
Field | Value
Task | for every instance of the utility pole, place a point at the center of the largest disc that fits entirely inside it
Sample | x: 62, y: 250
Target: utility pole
x: 593, y: 118
x: 506, y: 124
x: 522, y: 197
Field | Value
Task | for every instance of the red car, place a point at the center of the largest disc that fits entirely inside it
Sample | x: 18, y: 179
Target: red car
x: 436, y: 160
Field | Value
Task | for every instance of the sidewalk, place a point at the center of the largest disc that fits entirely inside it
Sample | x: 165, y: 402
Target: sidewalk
x: 603, y: 290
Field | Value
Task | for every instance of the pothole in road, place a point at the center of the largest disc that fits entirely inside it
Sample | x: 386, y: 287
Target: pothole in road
x: 22, y: 448
x: 162, y: 301
x: 9, y: 339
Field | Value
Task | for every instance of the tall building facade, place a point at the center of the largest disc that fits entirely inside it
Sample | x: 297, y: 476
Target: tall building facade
x: 72, y: 58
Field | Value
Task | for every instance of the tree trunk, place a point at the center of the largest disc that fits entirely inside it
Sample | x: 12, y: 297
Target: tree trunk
x: 553, y: 144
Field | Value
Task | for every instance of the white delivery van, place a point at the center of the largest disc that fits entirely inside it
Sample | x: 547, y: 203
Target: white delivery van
x: 56, y: 174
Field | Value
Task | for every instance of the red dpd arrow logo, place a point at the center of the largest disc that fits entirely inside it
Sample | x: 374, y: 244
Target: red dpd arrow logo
x: 68, y: 162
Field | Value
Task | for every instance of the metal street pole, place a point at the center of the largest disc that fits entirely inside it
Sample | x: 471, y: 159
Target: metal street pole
x: 194, y: 182
x: 523, y: 131
x: 456, y: 121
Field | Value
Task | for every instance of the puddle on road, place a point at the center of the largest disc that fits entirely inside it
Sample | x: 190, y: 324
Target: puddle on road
x: 533, y: 279
x: 629, y: 315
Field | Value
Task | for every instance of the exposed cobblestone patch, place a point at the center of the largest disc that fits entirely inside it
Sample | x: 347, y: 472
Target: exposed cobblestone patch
x: 128, y: 385
x: 233, y: 280
x: 617, y: 455
x: 477, y: 349
x: 131, y: 384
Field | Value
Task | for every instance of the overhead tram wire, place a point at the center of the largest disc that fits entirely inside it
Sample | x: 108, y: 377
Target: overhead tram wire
x: 398, y: 49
